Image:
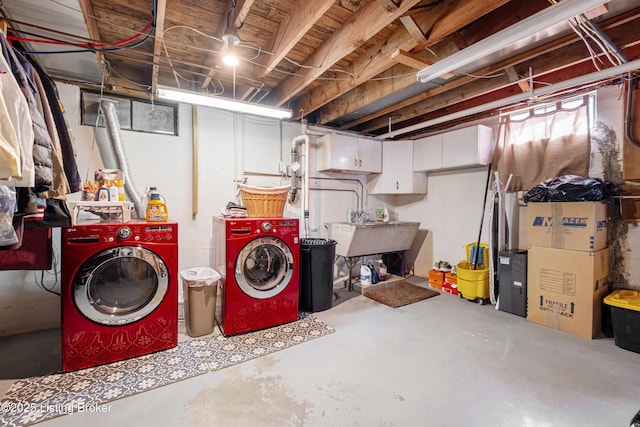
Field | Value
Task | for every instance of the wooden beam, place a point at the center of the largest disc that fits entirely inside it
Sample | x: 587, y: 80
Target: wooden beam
x: 413, y: 28
x: 389, y: 5
x: 92, y: 28
x: 375, y: 61
x: 414, y: 61
x: 157, y: 46
x: 367, y: 93
x: 513, y: 76
x: 462, y: 13
x: 293, y: 27
x: 239, y: 13
x: 361, y: 26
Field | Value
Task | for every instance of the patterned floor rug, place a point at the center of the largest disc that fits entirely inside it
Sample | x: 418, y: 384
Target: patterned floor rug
x: 35, y: 399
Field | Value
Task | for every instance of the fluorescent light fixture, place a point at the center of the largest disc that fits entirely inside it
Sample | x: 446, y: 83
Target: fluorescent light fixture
x: 220, y: 102
x: 541, y: 21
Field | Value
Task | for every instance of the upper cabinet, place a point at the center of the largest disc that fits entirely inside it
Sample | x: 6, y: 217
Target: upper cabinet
x: 396, y: 177
x: 471, y: 146
x: 344, y: 153
x: 427, y: 153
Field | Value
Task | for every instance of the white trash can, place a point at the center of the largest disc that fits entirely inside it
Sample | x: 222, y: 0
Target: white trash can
x: 200, y: 287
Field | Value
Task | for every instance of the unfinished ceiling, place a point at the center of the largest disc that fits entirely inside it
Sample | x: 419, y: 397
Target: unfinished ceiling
x: 347, y: 64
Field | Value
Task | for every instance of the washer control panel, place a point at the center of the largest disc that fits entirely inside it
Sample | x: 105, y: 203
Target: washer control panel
x: 130, y: 232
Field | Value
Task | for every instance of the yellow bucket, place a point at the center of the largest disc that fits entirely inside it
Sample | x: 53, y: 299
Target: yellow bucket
x: 472, y: 284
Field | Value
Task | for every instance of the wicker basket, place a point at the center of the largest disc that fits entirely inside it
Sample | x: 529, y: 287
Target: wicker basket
x: 264, y: 202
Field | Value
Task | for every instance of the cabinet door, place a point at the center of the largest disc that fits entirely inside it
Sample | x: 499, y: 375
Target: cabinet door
x: 397, y: 176
x: 427, y: 153
x: 369, y: 155
x: 337, y: 153
x: 467, y: 147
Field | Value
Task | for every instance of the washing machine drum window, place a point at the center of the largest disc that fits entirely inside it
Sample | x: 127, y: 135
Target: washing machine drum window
x: 120, y: 285
x: 264, y: 267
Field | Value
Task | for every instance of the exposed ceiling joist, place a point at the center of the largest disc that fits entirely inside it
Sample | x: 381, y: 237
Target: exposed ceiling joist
x: 157, y: 47
x: 361, y: 26
x: 293, y: 27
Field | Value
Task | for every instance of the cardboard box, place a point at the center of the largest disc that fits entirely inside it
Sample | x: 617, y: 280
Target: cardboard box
x: 578, y: 226
x: 565, y: 289
x: 436, y: 278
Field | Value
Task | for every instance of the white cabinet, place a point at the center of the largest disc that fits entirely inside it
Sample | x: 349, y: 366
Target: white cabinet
x: 397, y: 177
x: 343, y: 153
x: 427, y: 153
x: 470, y: 146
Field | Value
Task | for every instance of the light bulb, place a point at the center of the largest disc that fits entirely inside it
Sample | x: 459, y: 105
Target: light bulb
x: 228, y: 57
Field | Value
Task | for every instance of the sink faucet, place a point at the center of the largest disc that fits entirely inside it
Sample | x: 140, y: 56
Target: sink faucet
x: 359, y: 216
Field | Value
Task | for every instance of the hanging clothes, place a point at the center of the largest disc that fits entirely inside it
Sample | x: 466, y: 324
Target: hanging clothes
x: 62, y: 126
x: 60, y: 186
x: 23, y: 72
x: 16, y: 132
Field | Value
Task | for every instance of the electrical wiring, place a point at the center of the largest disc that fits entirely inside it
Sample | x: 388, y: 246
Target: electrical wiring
x: 90, y: 48
x: 55, y: 273
x: 86, y: 45
x: 586, y: 31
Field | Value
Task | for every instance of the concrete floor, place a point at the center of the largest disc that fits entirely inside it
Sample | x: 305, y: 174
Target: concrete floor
x: 439, y: 362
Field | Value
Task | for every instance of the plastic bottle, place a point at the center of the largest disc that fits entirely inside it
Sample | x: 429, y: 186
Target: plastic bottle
x: 113, y: 192
x: 374, y: 272
x: 157, y: 208
x: 104, y: 195
x: 121, y: 193
x: 365, y: 275
x: 385, y: 215
x: 145, y: 199
x: 382, y: 270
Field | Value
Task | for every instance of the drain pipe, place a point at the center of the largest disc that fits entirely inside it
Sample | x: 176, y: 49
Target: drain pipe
x: 305, y: 183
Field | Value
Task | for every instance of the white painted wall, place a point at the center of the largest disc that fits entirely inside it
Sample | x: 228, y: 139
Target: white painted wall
x: 233, y: 147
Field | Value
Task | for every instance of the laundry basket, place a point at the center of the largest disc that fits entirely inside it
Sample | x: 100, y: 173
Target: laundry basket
x: 264, y: 202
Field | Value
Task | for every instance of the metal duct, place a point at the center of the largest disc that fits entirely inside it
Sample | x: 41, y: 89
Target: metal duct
x: 110, y: 113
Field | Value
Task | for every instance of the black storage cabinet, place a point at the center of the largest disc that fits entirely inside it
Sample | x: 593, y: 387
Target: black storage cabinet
x: 316, y: 274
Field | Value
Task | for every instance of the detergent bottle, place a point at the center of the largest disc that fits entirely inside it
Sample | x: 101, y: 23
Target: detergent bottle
x: 157, y: 207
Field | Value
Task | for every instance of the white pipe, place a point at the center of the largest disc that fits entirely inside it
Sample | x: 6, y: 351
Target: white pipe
x: 340, y: 280
x: 556, y: 87
x: 305, y: 182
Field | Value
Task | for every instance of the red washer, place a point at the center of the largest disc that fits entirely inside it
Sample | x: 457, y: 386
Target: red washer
x: 119, y: 292
x: 259, y: 261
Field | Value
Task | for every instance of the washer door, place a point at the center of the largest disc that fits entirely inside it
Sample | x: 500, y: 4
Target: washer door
x: 264, y: 267
x: 120, y: 285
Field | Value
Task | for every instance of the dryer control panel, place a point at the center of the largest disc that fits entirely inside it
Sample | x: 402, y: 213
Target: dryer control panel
x: 262, y: 226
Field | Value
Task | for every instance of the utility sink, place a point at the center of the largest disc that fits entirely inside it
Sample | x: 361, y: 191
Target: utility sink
x: 372, y: 238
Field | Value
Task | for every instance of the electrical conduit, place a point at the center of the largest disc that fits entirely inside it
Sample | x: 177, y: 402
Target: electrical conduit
x: 305, y: 182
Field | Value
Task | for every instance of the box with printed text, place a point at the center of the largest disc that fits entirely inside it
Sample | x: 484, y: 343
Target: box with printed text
x: 565, y: 289
x: 578, y: 226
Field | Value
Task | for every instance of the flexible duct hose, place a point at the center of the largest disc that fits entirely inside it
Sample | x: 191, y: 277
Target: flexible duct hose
x: 113, y: 131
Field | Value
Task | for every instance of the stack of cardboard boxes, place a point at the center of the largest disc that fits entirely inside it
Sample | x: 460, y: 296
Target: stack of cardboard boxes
x: 568, y: 265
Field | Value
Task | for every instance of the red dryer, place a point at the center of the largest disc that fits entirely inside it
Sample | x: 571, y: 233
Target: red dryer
x: 119, y: 292
x: 259, y: 261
